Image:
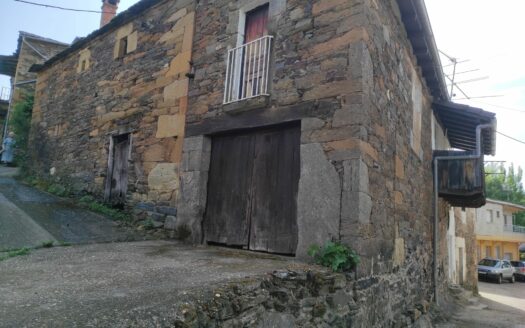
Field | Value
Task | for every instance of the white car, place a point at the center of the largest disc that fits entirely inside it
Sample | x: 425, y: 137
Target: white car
x: 497, y: 270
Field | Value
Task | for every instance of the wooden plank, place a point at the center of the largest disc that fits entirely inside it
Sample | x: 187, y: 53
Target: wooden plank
x: 119, y: 175
x: 274, y: 191
x: 262, y: 117
x: 228, y: 205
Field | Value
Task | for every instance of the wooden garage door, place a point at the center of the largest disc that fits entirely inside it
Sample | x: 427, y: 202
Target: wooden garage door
x: 252, y: 190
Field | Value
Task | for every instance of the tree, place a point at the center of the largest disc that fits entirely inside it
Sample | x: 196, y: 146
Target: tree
x: 20, y: 123
x: 505, y: 184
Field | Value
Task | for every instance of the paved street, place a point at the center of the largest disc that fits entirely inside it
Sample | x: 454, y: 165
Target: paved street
x: 29, y: 217
x: 500, y: 306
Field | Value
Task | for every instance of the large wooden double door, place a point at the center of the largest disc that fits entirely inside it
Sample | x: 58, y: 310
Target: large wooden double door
x: 252, y: 190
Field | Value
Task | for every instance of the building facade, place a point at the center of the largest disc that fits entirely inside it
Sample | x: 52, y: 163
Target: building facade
x: 32, y: 49
x: 264, y: 125
x: 497, y: 236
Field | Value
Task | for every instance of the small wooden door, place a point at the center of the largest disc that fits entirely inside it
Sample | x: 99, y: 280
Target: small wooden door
x: 117, y: 180
x: 252, y: 190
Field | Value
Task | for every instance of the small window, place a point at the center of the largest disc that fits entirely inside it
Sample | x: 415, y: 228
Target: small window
x: 83, y: 65
x: 123, y: 47
x: 490, y: 216
x: 497, y: 214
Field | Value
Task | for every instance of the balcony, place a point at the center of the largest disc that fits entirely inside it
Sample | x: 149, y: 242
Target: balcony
x: 247, y: 70
x: 513, y: 228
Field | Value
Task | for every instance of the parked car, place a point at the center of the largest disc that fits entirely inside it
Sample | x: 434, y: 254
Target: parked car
x: 519, y: 269
x: 497, y: 270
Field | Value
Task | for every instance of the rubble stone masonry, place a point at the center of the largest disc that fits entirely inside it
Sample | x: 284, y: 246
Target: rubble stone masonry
x: 96, y: 93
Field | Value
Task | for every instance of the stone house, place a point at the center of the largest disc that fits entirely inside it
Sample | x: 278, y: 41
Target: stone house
x: 32, y: 49
x: 497, y: 235
x: 268, y: 125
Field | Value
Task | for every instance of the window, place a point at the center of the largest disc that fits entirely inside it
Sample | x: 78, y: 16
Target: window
x: 507, y: 256
x: 488, y: 251
x: 247, y: 72
x: 490, y: 216
x: 83, y: 60
x: 125, y: 41
x: 123, y: 47
x: 417, y: 109
x: 497, y: 214
x: 498, y: 252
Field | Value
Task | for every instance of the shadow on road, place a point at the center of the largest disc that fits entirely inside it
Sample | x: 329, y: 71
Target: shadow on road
x: 28, y: 215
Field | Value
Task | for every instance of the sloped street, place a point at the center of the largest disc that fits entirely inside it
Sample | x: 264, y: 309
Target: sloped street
x: 29, y: 217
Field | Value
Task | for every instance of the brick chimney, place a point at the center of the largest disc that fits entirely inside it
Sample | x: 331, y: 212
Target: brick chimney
x: 109, y: 10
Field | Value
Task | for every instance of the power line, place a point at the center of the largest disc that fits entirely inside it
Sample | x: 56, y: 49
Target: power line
x: 63, y: 8
x: 499, y: 106
x: 520, y: 141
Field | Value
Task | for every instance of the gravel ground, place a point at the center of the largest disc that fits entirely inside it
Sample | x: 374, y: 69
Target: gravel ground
x: 117, y: 284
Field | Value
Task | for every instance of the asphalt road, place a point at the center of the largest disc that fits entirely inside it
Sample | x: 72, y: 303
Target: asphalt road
x: 29, y: 217
x: 512, y: 295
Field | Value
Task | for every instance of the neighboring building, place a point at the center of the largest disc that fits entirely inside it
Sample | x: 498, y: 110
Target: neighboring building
x: 496, y: 234
x: 32, y: 49
x: 269, y: 126
x: 5, y: 95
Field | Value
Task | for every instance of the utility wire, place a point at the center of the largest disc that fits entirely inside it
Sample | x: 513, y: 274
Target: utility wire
x: 520, y: 141
x: 63, y: 8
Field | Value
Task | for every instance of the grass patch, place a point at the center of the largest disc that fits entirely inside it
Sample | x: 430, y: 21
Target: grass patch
x: 104, y: 209
x: 14, y: 253
x: 48, y: 244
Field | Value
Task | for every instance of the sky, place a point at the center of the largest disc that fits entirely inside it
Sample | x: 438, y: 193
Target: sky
x: 484, y: 34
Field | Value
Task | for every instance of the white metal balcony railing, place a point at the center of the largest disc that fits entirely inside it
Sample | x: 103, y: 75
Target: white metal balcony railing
x: 513, y: 228
x: 247, y: 70
x: 5, y: 93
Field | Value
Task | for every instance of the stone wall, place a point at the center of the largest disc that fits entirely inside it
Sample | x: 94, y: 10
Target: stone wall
x: 96, y: 93
x: 346, y: 70
x: 302, y: 299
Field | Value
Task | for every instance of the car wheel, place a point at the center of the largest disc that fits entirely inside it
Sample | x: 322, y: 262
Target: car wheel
x: 512, y: 279
x: 499, y: 279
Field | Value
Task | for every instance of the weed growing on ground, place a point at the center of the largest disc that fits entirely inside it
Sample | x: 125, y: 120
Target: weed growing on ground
x: 335, y: 255
x: 95, y: 206
x: 15, y: 253
x: 48, y: 244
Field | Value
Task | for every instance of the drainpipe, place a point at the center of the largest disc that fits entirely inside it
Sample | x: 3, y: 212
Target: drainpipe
x: 477, y: 155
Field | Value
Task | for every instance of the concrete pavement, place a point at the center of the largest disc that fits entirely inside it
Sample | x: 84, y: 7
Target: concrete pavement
x: 136, y: 284
x: 29, y: 217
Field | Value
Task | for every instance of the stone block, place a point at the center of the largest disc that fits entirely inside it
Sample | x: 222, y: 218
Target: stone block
x: 353, y: 144
x: 170, y: 126
x: 154, y: 153
x: 356, y: 208
x: 145, y: 206
x: 132, y: 42
x: 325, y: 5
x: 177, y: 15
x: 165, y: 176
x: 166, y: 210
x: 175, y: 91
x: 318, y: 199
x: 355, y: 175
x: 399, y: 252
x: 201, y: 143
x: 170, y: 223
x: 400, y: 169
x: 180, y: 64
x: 355, y: 35
x: 311, y: 123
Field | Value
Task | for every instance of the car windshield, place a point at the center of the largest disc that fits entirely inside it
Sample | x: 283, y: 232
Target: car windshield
x: 488, y: 262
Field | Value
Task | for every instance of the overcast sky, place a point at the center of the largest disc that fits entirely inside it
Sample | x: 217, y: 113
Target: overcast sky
x: 486, y: 33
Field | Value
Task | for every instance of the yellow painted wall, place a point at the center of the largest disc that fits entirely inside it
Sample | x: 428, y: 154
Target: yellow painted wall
x: 505, y: 247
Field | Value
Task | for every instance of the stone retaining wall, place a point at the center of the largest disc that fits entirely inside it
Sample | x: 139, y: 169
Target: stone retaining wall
x: 303, y: 299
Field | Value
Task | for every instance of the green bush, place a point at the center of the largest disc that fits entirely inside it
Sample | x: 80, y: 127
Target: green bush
x: 334, y: 255
x: 103, y: 209
x: 20, y: 123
